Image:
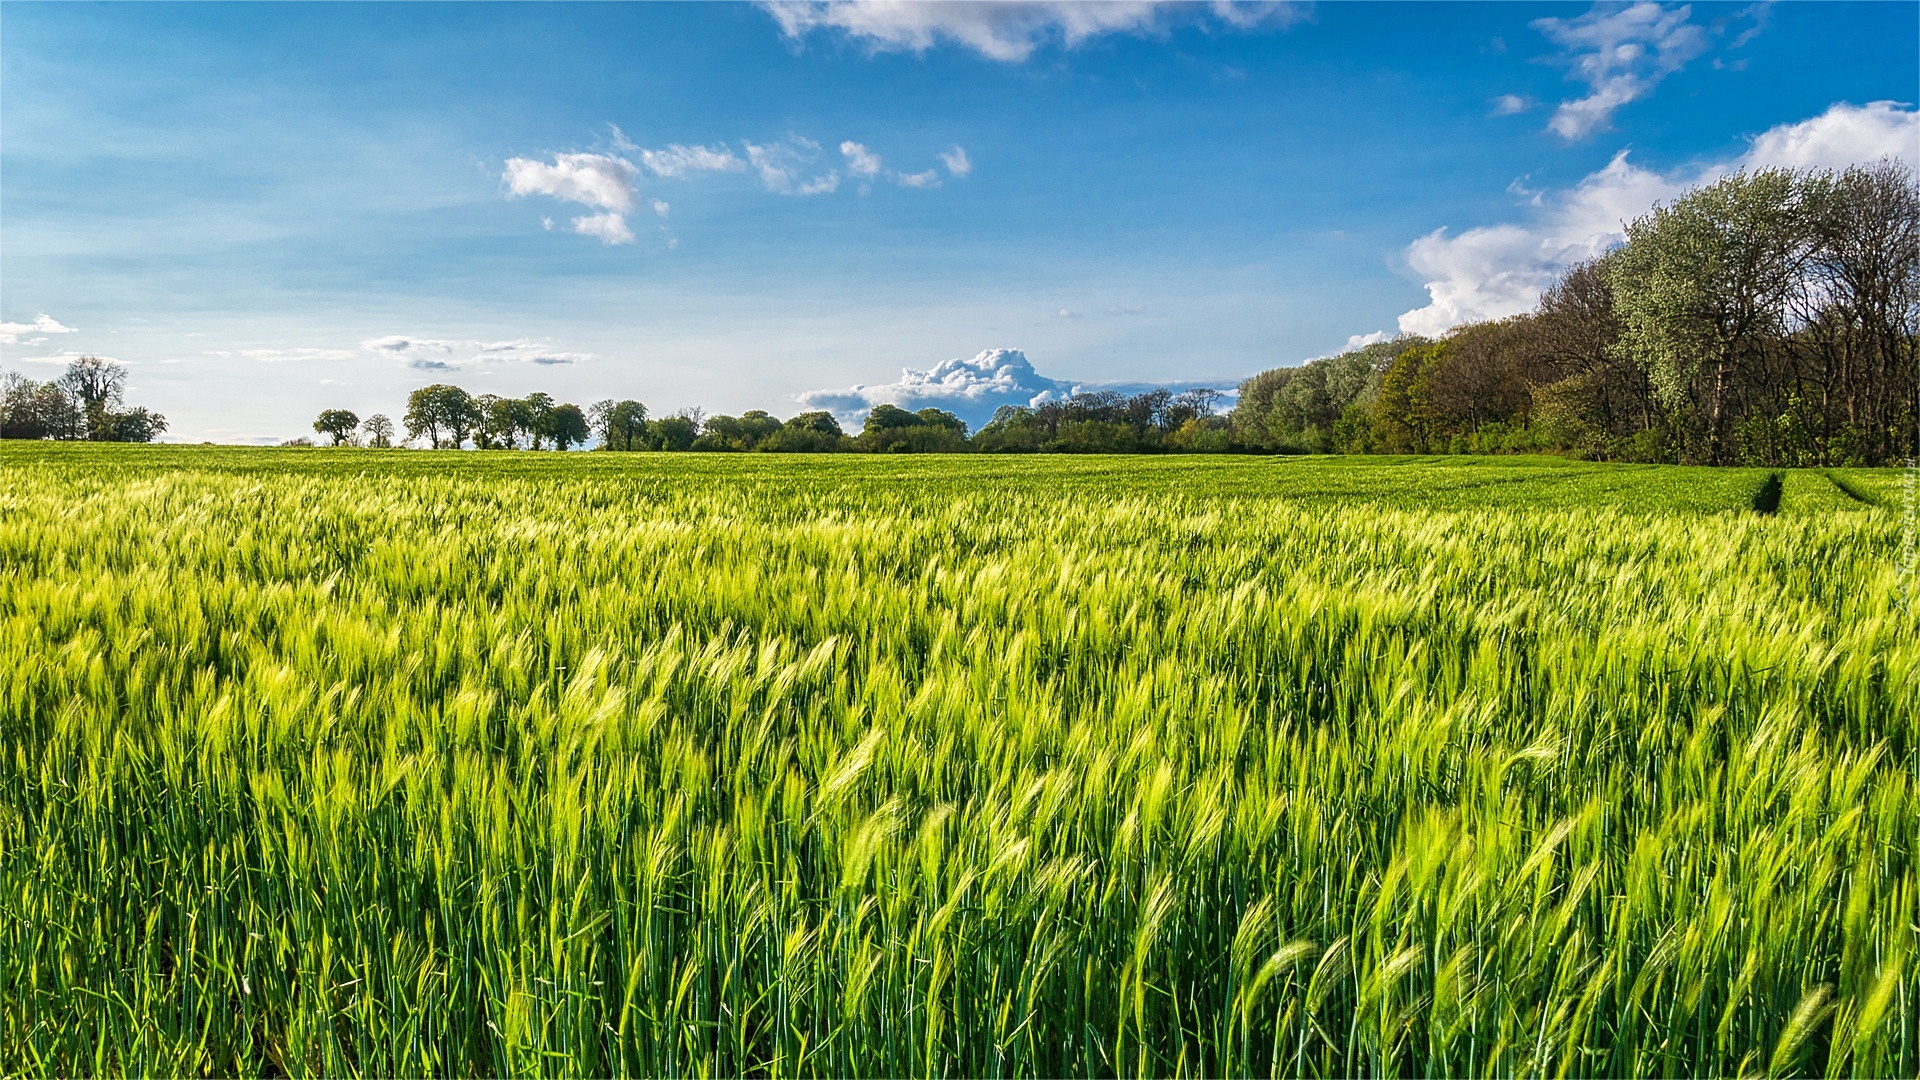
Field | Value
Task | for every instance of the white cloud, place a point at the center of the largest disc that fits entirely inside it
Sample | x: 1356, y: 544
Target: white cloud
x: 970, y: 388
x: 819, y: 185
x: 781, y: 163
x: 1006, y: 32
x: 284, y: 356
x: 1495, y: 271
x: 1510, y: 105
x: 596, y: 180
x: 433, y: 354
x: 861, y: 161
x: 957, y: 162
x: 1843, y: 135
x: 928, y: 179
x: 1361, y: 341
x: 660, y: 207
x: 609, y: 228
x: 12, y: 332
x: 1621, y: 53
x: 64, y: 358
x: 678, y: 160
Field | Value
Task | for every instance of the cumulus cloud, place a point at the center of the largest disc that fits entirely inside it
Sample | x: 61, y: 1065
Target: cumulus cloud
x: 861, y: 161
x: 1009, y: 33
x: 957, y: 162
x: 969, y: 387
x: 1843, y: 135
x: 610, y: 228
x: 1361, y: 341
x: 597, y: 180
x: 1495, y: 271
x: 42, y: 324
x: 1621, y: 53
x: 928, y: 179
x: 435, y: 354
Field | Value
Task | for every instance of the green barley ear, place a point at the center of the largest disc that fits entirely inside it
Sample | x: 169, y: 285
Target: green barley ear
x: 1813, y: 1010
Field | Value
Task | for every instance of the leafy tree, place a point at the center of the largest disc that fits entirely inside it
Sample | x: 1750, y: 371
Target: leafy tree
x: 1303, y: 408
x: 441, y: 407
x: 807, y: 433
x: 135, y: 425
x: 96, y: 386
x: 33, y: 410
x: 621, y: 425
x: 677, y: 432
x: 1864, y: 341
x: 1013, y: 429
x: 378, y: 431
x: 85, y: 402
x: 566, y: 425
x: 490, y: 433
x: 1401, y: 407
x: 535, y: 413
x: 338, y: 424
x: 889, y: 417
x: 744, y: 432
x: 890, y: 429
x: 1701, y: 285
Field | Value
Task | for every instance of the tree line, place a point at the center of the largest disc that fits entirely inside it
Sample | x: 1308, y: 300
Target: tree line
x: 1769, y: 318
x: 87, y: 402
x: 443, y: 416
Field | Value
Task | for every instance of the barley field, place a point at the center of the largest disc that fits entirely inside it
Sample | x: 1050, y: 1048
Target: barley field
x: 420, y: 764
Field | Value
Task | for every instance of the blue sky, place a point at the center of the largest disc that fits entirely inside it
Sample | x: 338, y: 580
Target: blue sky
x: 265, y: 210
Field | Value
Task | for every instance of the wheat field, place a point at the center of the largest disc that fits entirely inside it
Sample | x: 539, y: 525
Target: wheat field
x: 421, y: 764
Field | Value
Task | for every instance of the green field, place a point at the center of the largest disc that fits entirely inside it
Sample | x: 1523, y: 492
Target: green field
x: 408, y: 763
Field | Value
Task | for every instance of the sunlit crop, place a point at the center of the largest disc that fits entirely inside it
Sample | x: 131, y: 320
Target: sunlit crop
x: 348, y: 762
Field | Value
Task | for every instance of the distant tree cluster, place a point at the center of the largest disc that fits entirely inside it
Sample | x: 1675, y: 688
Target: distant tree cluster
x: 1770, y: 318
x: 447, y: 417
x: 85, y: 403
x: 1105, y: 422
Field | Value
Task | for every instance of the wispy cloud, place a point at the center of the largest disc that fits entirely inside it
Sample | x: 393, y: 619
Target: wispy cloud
x: 284, y: 356
x: 1008, y: 32
x: 436, y: 354
x: 1494, y: 271
x: 1621, y: 53
x: 42, y: 324
x: 781, y: 165
x: 957, y: 162
x: 677, y: 160
x: 1510, y: 105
